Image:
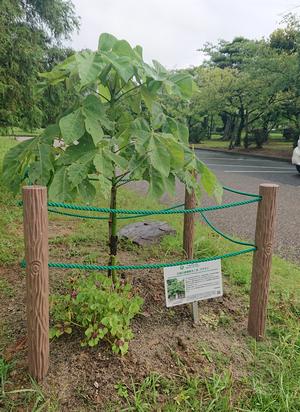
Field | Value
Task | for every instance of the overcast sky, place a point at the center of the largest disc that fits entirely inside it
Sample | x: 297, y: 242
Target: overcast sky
x: 171, y: 31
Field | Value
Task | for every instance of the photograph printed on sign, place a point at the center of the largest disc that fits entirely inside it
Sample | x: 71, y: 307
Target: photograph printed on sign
x: 193, y: 282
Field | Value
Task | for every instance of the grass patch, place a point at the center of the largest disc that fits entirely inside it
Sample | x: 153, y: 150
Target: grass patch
x: 273, y: 145
x: 10, y: 217
x: 17, y: 131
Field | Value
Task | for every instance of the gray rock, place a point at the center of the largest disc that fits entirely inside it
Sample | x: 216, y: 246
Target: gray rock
x: 146, y: 233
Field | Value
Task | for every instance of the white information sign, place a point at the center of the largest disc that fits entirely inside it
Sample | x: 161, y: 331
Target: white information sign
x: 192, y: 282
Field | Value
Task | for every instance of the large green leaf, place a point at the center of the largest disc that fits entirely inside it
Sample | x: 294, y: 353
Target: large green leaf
x: 90, y: 65
x: 104, y: 93
x: 15, y: 164
x: 156, y: 184
x: 138, y: 50
x: 179, y: 130
x: 118, y: 160
x: 148, y: 97
x: 61, y: 189
x: 135, y: 102
x: 160, y: 69
x: 170, y: 184
x: 74, y: 152
x: 94, y: 110
x: 209, y: 181
x: 86, y: 190
x: 51, y: 133
x: 104, y: 168
x: 122, y: 65
x: 106, y: 41
x: 158, y: 155
x: 157, y: 116
x: 176, y: 151
x: 40, y: 170
x: 137, y: 166
x: 123, y: 48
x: 183, y: 84
x: 60, y: 72
x: 72, y: 126
x: 103, y: 163
x: 79, y: 170
x: 94, y: 114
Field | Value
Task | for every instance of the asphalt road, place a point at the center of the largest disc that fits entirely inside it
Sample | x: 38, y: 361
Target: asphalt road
x: 246, y: 173
x: 224, y: 164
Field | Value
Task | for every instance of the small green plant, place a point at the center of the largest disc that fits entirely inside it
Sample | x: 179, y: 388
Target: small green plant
x: 4, y: 372
x: 101, y: 307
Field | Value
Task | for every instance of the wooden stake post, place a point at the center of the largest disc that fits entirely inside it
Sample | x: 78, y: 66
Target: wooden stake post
x: 262, y: 260
x: 188, y: 238
x: 37, y: 289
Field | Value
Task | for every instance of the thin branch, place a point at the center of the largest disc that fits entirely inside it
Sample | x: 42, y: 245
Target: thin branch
x: 128, y: 91
x: 123, y: 147
x: 121, y: 88
x: 125, y: 183
x: 120, y: 177
x: 99, y: 94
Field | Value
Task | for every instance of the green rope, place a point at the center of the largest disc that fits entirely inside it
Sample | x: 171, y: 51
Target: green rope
x: 140, y: 213
x: 238, y: 242
x: 104, y: 217
x: 151, y: 212
x: 144, y: 266
x: 58, y: 212
x: 229, y: 189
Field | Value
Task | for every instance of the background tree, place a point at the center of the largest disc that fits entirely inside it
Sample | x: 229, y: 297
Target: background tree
x: 30, y: 32
x: 251, y: 86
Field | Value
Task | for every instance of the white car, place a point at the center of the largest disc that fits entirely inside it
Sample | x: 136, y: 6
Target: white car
x: 296, y: 157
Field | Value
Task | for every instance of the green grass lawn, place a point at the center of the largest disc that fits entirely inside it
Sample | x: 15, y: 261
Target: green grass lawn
x: 218, y: 144
x: 273, y: 366
x: 275, y: 144
x: 17, y: 131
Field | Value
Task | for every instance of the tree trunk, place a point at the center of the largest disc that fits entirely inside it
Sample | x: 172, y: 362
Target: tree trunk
x: 205, y: 125
x: 234, y: 137
x: 265, y: 131
x: 228, y: 128
x: 210, y: 128
x: 246, y: 138
x: 112, y: 227
x: 240, y: 127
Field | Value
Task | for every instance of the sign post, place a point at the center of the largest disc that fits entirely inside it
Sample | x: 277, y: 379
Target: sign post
x: 188, y: 238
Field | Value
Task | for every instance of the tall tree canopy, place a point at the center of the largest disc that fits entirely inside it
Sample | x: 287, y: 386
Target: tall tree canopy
x: 246, y: 88
x: 30, y: 32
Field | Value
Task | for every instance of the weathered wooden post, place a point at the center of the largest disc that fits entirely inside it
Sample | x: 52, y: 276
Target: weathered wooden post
x: 37, y: 285
x: 262, y: 260
x: 188, y: 237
